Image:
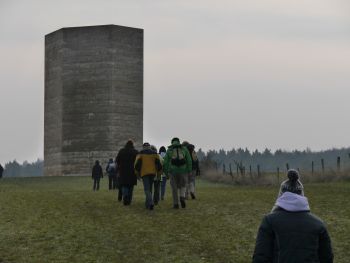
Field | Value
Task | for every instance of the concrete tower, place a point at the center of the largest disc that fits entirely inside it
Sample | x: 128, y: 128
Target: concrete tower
x: 93, y: 96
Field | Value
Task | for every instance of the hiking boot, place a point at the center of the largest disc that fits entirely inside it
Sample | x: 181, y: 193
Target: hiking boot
x: 176, y: 206
x: 182, y: 201
x: 193, y: 196
x: 151, y: 207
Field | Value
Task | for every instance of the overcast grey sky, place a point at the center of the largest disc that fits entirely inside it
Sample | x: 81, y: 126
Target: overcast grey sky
x: 221, y: 74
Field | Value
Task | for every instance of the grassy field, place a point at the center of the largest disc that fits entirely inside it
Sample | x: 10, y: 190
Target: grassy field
x: 62, y: 220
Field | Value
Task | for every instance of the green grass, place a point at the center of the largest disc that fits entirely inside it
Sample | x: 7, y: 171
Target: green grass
x: 60, y: 219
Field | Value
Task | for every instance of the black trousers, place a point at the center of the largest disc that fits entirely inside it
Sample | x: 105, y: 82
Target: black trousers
x: 112, y: 182
x: 96, y: 186
x: 120, y: 193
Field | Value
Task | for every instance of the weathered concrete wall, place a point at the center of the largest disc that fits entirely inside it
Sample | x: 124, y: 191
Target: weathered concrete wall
x: 93, y: 96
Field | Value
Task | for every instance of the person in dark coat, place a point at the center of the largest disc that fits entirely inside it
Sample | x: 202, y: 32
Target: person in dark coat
x: 97, y: 174
x: 290, y: 233
x: 127, y: 177
x: 1, y: 171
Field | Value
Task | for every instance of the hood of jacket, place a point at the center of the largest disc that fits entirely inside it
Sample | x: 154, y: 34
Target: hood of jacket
x: 293, y: 202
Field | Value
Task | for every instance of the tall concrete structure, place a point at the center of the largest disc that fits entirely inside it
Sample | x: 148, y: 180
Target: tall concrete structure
x: 93, y: 96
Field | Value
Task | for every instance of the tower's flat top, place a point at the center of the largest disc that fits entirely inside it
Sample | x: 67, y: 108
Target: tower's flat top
x: 87, y: 27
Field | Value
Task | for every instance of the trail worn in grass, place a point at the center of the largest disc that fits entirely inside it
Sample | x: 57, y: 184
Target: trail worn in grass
x: 62, y: 220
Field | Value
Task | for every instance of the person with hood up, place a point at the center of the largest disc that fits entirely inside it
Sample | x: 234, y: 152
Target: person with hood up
x: 148, y: 165
x: 97, y: 174
x: 177, y: 164
x: 291, y: 233
x: 125, y: 161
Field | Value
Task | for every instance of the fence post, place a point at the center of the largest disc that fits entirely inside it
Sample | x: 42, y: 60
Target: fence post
x: 230, y: 170
x: 278, y: 175
x: 322, y: 164
x: 216, y: 167
x: 287, y: 166
x: 237, y: 170
x: 312, y: 167
x: 223, y: 169
x: 250, y: 171
x: 258, y: 167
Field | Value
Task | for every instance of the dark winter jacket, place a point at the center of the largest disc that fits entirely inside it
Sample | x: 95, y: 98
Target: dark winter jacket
x: 292, y: 234
x: 97, y: 171
x: 125, y: 161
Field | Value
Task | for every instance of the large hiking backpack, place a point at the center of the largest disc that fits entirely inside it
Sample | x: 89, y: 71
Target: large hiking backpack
x: 178, y: 157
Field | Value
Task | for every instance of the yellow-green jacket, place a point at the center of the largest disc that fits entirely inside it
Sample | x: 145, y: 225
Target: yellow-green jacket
x: 148, y: 163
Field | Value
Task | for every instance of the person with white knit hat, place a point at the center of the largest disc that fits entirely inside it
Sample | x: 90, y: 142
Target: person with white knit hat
x: 291, y: 233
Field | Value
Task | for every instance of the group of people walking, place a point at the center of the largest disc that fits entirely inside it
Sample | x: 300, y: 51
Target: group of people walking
x: 289, y: 233
x: 179, y: 163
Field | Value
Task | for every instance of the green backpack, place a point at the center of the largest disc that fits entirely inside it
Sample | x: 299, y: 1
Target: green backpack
x: 178, y: 157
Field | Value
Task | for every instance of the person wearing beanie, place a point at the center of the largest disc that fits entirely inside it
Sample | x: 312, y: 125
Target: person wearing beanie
x: 292, y: 184
x: 127, y: 178
x: 177, y: 165
x: 148, y: 166
x: 291, y: 233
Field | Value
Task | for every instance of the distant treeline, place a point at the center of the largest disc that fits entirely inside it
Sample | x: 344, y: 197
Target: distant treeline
x: 15, y: 169
x: 269, y: 161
